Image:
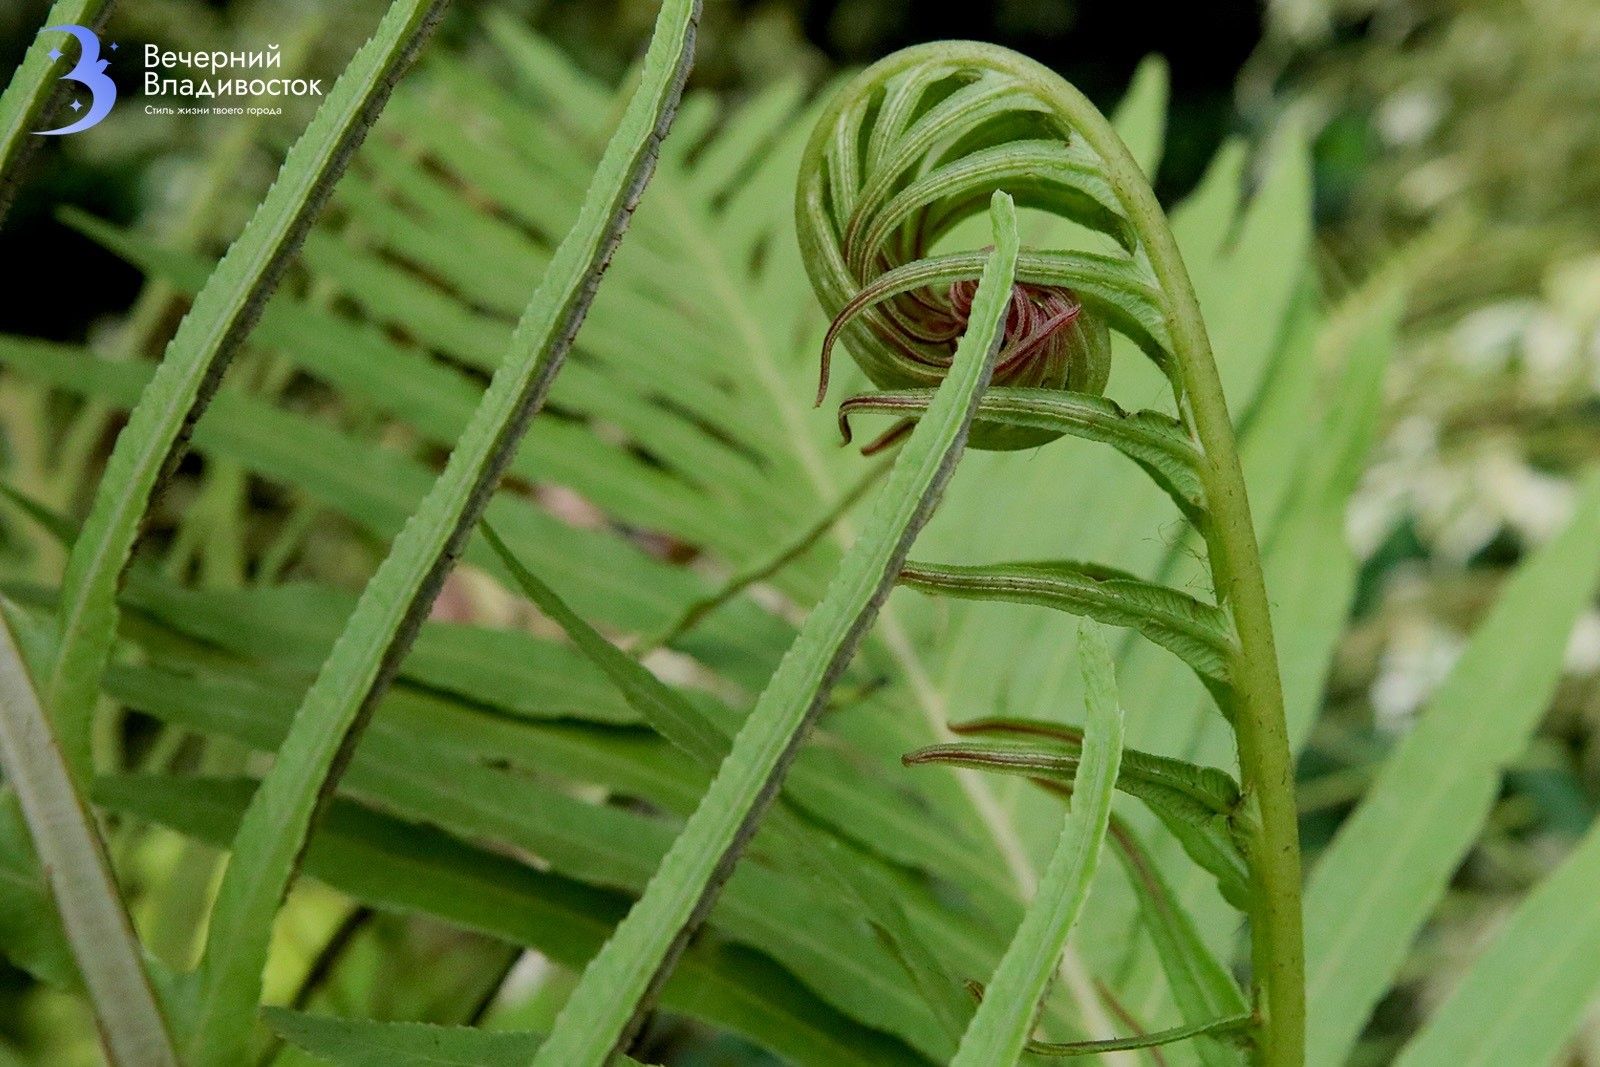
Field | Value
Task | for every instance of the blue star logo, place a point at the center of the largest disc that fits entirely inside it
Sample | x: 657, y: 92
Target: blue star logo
x: 113, y: 46
x: 89, y: 72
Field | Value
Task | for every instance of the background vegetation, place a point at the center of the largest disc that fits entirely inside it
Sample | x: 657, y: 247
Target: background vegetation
x: 1453, y: 148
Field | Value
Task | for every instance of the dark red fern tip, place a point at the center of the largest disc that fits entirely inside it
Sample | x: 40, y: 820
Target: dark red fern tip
x: 915, y: 322
x: 846, y: 409
x: 878, y: 402
x: 1037, y: 337
x: 1036, y: 315
x: 918, y: 756
x: 826, y: 366
x: 889, y: 437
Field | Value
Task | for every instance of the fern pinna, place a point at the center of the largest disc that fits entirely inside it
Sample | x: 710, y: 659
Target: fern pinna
x: 907, y: 152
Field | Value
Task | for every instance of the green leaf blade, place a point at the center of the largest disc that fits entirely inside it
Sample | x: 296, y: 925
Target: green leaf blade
x: 1155, y: 441
x: 1390, y: 863
x: 1000, y: 1030
x: 1195, y: 631
x: 1172, y: 1035
x: 1200, y: 985
x: 1196, y: 804
x: 1527, y: 993
x: 365, y: 1043
x: 79, y: 874
x: 673, y: 716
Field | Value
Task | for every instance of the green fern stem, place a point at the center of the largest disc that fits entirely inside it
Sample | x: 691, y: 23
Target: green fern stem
x: 1266, y: 765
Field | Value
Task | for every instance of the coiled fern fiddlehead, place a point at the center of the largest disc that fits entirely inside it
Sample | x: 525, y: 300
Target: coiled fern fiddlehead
x: 909, y: 149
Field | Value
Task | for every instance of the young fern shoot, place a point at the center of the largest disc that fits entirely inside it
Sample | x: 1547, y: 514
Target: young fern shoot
x: 912, y: 147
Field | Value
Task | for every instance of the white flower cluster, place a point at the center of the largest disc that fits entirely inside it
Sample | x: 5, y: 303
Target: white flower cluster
x: 1463, y: 460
